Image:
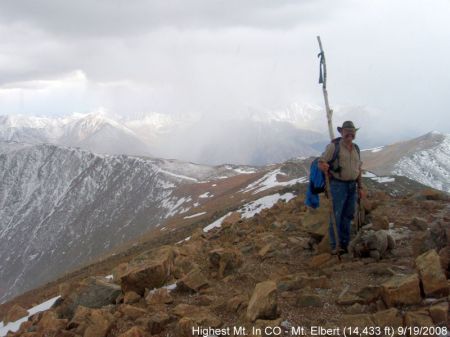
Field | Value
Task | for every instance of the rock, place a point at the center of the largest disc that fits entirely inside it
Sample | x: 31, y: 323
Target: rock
x: 431, y: 274
x: 237, y: 303
x: 430, y: 194
x: 348, y: 298
x: 91, y: 293
x: 134, y: 332
x: 225, y: 260
x: 118, y: 271
x: 419, y: 224
x: 360, y: 321
x: 266, y: 327
x: 320, y: 260
x: 131, y: 297
x: 231, y: 219
x: 193, y: 316
x: 194, y: 281
x: 390, y: 317
x: 370, y: 243
x: 132, y: 311
x: 16, y: 312
x: 51, y: 322
x: 159, y: 296
x: 380, y: 222
x: 91, y: 322
x: 370, y: 294
x: 264, y: 251
x: 315, y: 222
x: 444, y: 256
x: 439, y: 313
x: 401, y: 289
x: 263, y: 302
x: 150, y: 274
x: 309, y: 300
x: 418, y: 318
x: 157, y: 322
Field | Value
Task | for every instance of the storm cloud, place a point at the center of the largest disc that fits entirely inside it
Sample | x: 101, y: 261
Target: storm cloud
x: 388, y: 61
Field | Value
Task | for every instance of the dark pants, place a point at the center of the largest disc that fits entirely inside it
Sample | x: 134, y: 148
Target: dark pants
x: 344, y: 198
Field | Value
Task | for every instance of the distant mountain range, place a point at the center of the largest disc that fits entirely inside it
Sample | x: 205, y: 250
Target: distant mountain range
x: 252, y: 139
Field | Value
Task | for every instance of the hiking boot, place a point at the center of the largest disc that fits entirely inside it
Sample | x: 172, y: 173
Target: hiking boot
x: 343, y: 250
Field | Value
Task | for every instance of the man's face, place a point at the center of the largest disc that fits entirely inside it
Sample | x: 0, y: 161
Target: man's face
x: 348, y: 134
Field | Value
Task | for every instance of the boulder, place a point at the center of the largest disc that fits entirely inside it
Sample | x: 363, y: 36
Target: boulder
x: 320, y: 260
x: 134, y: 332
x: 418, y: 318
x: 431, y: 274
x: 439, y: 313
x: 91, y: 322
x: 389, y: 317
x: 50, y: 322
x: 237, y: 303
x: 420, y: 224
x: 194, y: 281
x: 132, y: 311
x: 131, y: 297
x: 194, y: 316
x: 263, y: 303
x: 309, y: 300
x: 157, y: 322
x: 225, y: 260
x: 152, y: 273
x: 91, y: 293
x: 401, y: 289
x: 16, y: 312
x: 159, y: 296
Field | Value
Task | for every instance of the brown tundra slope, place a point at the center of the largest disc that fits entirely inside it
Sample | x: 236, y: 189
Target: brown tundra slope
x: 270, y: 270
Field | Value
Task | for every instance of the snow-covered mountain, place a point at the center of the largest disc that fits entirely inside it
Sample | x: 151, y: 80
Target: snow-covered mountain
x: 253, y: 138
x: 425, y: 159
x: 95, y: 132
x: 60, y: 207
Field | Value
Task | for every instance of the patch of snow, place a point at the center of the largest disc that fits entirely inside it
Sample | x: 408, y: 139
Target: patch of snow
x: 256, y: 206
x: 194, y: 215
x: 244, y: 171
x: 250, y: 209
x: 269, y: 180
x: 184, y: 240
x: 378, y: 179
x: 14, y: 326
x: 368, y: 174
x: 214, y: 185
x: 374, y: 149
x: 382, y: 180
x: 109, y: 277
x: 169, y: 287
x: 216, y: 223
x: 206, y: 195
x: 177, y: 175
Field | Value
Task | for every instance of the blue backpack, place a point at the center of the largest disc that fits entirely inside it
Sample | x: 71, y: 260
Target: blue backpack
x: 317, y: 177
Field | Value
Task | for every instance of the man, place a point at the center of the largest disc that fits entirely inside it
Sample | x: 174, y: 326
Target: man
x: 345, y: 181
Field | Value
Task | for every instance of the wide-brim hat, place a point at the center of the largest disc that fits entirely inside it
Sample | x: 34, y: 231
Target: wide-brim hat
x: 347, y: 125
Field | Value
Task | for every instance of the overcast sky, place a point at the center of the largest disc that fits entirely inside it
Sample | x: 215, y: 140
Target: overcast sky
x: 222, y: 58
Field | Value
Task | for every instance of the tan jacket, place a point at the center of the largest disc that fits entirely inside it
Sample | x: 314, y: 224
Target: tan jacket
x: 349, y: 161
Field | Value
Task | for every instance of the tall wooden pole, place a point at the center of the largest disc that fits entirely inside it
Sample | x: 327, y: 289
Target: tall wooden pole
x: 324, y: 89
x: 323, y: 79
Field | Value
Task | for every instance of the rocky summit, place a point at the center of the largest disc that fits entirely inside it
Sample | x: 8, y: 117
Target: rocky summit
x: 271, y: 271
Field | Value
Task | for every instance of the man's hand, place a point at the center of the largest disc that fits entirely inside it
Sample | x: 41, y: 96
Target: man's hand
x: 362, y: 193
x: 323, y: 166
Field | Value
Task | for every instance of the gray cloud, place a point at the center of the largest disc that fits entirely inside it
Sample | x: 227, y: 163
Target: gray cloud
x: 220, y: 58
